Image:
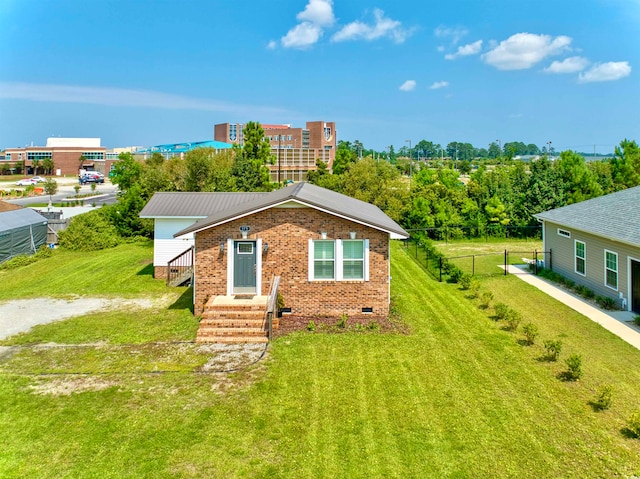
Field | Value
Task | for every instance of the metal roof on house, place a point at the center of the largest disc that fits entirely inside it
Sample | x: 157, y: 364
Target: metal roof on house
x: 308, y: 195
x: 11, y: 220
x: 615, y: 216
x: 193, y: 205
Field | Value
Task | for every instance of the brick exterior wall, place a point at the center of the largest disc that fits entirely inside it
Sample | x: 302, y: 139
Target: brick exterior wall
x: 160, y: 272
x: 287, y: 231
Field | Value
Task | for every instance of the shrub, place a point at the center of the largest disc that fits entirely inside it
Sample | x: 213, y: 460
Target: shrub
x: 485, y: 299
x: 606, y: 302
x: 455, y: 273
x: 342, y: 322
x: 553, y: 347
x: 311, y: 326
x: 465, y: 281
x: 513, y: 319
x: 574, y: 365
x: 373, y: 326
x: 570, y: 283
x: 531, y: 332
x: 89, y: 232
x: 634, y: 424
x: 501, y: 310
x: 474, y: 289
x: 24, y: 259
x: 636, y: 320
x: 604, y: 397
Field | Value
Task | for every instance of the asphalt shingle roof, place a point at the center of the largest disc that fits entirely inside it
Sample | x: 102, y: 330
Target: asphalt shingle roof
x: 615, y: 216
x: 222, y: 207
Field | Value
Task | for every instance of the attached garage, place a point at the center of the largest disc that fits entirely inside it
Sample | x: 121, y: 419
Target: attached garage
x: 22, y: 231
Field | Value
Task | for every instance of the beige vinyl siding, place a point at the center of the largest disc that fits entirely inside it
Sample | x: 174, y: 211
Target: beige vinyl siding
x: 563, y: 259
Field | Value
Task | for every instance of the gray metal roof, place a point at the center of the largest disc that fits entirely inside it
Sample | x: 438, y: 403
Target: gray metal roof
x: 11, y: 220
x: 615, y: 216
x: 309, y: 195
x: 172, y: 204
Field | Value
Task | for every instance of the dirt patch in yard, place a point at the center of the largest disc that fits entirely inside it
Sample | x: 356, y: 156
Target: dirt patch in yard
x: 69, y: 385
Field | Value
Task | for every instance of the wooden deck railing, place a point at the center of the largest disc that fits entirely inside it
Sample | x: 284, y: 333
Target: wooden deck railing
x: 272, y: 304
x: 180, y: 268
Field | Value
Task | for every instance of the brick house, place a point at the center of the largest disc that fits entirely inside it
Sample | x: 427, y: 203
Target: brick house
x: 331, y: 251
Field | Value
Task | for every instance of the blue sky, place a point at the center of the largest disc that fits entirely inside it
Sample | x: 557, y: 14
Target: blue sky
x: 138, y: 72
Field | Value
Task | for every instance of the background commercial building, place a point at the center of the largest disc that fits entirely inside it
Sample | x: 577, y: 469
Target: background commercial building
x: 65, y: 154
x: 295, y: 149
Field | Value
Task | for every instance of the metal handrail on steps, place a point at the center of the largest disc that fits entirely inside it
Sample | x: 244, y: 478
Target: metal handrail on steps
x: 180, y: 265
x: 272, y: 303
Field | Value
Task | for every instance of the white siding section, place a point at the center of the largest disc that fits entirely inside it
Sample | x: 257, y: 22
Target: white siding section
x: 165, y: 250
x: 165, y: 246
x: 165, y: 228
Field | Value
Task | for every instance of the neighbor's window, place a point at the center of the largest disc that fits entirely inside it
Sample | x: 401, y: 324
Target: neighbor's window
x: 611, y: 269
x: 324, y: 260
x: 581, y: 255
x: 353, y: 259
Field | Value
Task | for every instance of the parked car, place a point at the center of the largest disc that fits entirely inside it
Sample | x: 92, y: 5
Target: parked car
x: 26, y: 182
x: 91, y: 178
x: 38, y: 179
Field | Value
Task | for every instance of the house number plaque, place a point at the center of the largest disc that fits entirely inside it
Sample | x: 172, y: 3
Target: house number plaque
x: 245, y: 229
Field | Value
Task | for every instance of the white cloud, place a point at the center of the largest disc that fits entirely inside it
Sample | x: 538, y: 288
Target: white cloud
x: 455, y: 34
x: 409, y: 85
x: 382, y: 27
x: 568, y: 65
x: 318, y: 12
x: 316, y: 15
x: 122, y: 97
x: 439, y: 84
x: 609, y: 71
x: 303, y: 35
x: 465, y: 50
x: 272, y: 45
x: 523, y: 50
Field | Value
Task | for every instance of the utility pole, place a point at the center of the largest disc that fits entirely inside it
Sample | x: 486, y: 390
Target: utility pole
x: 279, y: 155
x: 410, y: 160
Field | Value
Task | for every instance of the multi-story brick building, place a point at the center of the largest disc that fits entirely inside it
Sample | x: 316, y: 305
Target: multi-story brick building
x: 65, y: 154
x: 297, y: 147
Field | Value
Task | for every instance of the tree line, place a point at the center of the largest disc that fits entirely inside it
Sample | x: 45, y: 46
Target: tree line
x: 438, y: 194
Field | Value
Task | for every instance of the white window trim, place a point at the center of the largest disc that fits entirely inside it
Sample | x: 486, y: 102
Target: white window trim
x: 617, y: 270
x: 575, y: 257
x: 337, y: 262
x: 564, y: 233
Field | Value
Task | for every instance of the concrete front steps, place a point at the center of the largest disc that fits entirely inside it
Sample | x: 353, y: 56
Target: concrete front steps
x: 234, y: 319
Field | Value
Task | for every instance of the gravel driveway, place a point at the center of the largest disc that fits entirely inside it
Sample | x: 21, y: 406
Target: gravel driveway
x: 20, y: 315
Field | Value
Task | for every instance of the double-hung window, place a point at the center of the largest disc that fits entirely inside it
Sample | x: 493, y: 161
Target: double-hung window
x: 338, y: 260
x: 611, y: 269
x: 581, y: 257
x: 324, y: 259
x: 353, y: 259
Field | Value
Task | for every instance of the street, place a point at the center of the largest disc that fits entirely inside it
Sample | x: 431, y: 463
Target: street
x: 104, y: 193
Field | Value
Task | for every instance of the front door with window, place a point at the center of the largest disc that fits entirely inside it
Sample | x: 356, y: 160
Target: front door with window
x: 244, y: 267
x: 635, y: 286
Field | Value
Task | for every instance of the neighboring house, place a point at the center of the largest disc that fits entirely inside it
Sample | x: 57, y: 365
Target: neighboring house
x: 331, y: 251
x: 597, y: 243
x: 22, y: 231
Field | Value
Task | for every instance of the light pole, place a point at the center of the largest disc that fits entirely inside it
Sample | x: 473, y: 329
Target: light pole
x: 279, y: 155
x: 549, y: 149
x: 410, y: 159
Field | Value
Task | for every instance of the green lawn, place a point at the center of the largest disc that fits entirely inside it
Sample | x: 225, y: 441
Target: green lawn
x: 458, y: 397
